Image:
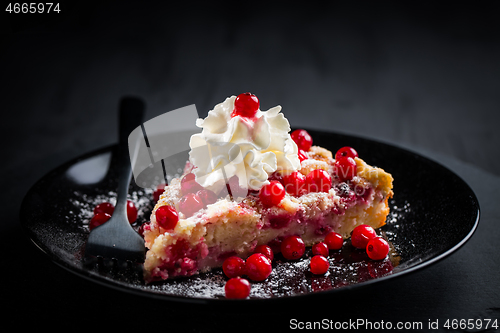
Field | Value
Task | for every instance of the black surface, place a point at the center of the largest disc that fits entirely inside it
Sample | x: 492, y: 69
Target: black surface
x: 423, y: 76
x: 427, y: 223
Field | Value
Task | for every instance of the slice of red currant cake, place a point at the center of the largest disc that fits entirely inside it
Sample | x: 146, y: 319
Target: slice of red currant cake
x: 249, y: 182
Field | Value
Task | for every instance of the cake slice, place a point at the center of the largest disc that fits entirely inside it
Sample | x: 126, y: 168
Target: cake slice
x: 217, y: 217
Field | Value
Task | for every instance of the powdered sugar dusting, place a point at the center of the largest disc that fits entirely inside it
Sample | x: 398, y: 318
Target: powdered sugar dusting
x: 207, y: 285
x: 396, y: 211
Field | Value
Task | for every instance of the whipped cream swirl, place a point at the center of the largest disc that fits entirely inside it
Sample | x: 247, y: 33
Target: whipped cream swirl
x: 250, y: 149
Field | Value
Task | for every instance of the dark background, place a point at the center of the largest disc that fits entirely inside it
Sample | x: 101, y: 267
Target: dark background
x: 421, y: 76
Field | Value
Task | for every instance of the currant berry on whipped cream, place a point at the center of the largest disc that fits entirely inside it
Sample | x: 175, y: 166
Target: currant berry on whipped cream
x: 243, y: 141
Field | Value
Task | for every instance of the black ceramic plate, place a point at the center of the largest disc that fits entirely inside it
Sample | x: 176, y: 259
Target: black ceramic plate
x: 433, y: 213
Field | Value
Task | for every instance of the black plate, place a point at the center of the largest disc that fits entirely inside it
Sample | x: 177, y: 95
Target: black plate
x: 433, y: 213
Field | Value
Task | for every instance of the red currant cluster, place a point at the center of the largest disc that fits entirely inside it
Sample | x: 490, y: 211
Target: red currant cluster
x: 103, y: 212
x: 194, y: 197
x: 365, y: 237
x: 345, y: 167
x: 318, y: 180
x: 258, y: 266
x: 319, y: 263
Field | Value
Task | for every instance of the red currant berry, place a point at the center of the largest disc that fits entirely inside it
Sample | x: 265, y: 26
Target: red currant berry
x: 302, y: 139
x: 245, y: 105
x: 207, y: 197
x: 272, y: 193
x: 302, y: 155
x: 346, y: 152
x: 166, y: 217
x: 190, y: 204
x: 361, y: 235
x: 320, y: 248
x: 293, y: 247
x: 345, y: 168
x: 189, y: 184
x: 265, y: 250
x: 319, y: 265
x: 294, y: 183
x: 258, y: 267
x: 98, y: 219
x: 237, y: 288
x: 233, y: 266
x: 131, y: 211
x: 318, y: 180
x: 334, y: 241
x: 104, y: 207
x: 377, y: 248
